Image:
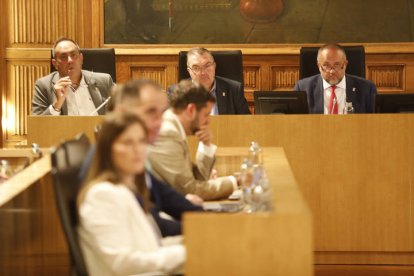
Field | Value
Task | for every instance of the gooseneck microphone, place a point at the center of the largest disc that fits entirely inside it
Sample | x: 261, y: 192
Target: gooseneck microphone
x: 99, y: 107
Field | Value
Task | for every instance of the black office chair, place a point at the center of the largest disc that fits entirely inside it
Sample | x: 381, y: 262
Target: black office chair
x: 355, y: 55
x: 96, y: 60
x: 67, y: 160
x: 229, y: 64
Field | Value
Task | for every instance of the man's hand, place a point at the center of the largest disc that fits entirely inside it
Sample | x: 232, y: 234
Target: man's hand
x: 204, y: 135
x: 61, y: 91
x: 194, y: 199
x: 214, y: 174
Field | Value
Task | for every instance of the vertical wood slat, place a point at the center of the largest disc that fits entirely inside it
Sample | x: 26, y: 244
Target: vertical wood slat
x: 42, y: 21
x: 387, y: 77
x: 20, y: 96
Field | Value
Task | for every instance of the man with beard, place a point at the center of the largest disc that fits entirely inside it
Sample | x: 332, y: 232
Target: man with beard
x: 329, y: 91
x: 70, y: 90
x: 189, y: 114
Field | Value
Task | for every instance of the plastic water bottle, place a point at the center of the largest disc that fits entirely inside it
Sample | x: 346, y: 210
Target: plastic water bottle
x: 247, y: 185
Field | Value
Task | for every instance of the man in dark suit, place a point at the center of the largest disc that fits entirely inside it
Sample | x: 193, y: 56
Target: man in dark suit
x: 332, y: 90
x: 229, y: 94
x: 145, y: 99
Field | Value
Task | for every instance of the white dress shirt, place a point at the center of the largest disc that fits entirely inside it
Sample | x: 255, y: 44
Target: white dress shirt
x: 340, y: 92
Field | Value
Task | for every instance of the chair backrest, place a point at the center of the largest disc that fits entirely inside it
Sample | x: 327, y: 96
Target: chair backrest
x: 67, y: 159
x: 229, y: 64
x: 355, y: 55
x: 96, y: 60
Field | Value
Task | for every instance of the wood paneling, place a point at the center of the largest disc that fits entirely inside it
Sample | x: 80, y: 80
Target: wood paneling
x: 19, y: 95
x: 387, y: 77
x: 40, y: 22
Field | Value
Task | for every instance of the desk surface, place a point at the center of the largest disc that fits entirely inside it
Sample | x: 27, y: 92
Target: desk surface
x: 273, y: 243
x: 22, y: 180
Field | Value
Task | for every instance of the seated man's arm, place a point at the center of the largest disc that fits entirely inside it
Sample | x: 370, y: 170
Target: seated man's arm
x: 169, y: 200
x: 242, y: 107
x: 170, y: 160
x: 40, y: 101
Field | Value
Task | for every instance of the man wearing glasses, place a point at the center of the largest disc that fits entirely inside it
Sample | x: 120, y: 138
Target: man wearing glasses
x: 70, y: 90
x: 229, y: 94
x: 329, y: 91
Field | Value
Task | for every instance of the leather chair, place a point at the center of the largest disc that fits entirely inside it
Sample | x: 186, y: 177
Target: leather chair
x: 229, y: 64
x: 67, y: 159
x: 355, y: 55
x: 96, y: 60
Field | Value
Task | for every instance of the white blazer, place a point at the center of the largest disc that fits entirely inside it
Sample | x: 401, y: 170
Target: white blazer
x: 117, y: 237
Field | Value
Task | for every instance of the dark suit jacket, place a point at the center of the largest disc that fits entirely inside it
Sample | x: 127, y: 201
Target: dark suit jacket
x: 99, y: 86
x: 165, y: 199
x: 359, y: 91
x: 229, y: 95
x: 169, y: 201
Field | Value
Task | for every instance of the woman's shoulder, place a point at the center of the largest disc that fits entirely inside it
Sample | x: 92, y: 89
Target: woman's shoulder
x: 106, y: 187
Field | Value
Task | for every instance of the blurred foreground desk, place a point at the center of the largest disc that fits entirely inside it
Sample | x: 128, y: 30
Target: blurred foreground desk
x: 356, y: 174
x: 31, y: 239
x: 276, y: 243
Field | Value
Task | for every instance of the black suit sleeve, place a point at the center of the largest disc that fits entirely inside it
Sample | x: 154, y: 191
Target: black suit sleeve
x: 242, y: 107
x: 169, y: 200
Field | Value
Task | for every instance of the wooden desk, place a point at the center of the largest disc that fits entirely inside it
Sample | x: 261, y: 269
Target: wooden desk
x: 361, y: 200
x: 31, y: 238
x: 275, y: 243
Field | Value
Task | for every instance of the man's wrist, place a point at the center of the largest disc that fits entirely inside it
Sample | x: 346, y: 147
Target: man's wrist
x: 55, y: 108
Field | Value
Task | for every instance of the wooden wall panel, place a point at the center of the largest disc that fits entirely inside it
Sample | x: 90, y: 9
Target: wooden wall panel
x: 387, y: 77
x: 19, y: 96
x: 284, y: 77
x: 41, y: 22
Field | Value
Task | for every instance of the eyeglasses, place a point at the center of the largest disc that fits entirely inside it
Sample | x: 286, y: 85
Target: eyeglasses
x: 198, y: 69
x: 336, y: 67
x: 65, y: 57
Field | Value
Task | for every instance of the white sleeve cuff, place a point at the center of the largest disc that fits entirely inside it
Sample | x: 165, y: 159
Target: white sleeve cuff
x: 53, y: 111
x: 210, y: 150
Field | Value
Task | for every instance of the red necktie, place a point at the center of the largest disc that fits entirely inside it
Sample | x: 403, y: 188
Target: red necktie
x: 333, y: 103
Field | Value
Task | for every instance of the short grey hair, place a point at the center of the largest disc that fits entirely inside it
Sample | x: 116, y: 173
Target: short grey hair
x: 198, y: 51
x: 330, y: 46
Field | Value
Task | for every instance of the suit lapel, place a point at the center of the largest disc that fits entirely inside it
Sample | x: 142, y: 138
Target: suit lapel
x: 318, y: 97
x: 221, y: 96
x: 93, y: 90
x: 350, y: 89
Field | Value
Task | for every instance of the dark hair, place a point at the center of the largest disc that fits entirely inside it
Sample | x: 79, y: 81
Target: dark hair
x: 330, y: 46
x: 103, y: 168
x: 198, y: 51
x: 187, y: 92
x: 130, y: 90
x: 60, y: 39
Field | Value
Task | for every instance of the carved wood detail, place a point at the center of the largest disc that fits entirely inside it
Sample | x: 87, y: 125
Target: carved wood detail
x: 41, y: 21
x: 19, y: 96
x: 387, y: 77
x: 155, y: 73
x: 284, y: 77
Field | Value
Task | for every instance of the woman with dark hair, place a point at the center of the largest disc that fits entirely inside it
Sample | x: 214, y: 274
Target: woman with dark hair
x: 117, y: 234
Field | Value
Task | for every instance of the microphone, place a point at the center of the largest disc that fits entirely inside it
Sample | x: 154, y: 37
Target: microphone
x: 99, y: 107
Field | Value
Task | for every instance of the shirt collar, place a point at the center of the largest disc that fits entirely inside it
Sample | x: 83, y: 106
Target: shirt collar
x: 341, y: 84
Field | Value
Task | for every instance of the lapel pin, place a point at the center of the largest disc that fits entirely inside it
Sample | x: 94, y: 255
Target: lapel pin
x: 353, y: 89
x: 224, y: 94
